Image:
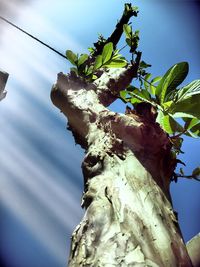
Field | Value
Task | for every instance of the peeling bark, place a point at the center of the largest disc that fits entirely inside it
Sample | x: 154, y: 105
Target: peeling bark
x: 129, y: 219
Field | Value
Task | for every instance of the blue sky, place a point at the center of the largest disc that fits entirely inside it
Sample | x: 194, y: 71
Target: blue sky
x: 40, y: 176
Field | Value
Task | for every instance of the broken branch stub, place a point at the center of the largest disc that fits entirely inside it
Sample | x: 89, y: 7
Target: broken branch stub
x: 3, y: 80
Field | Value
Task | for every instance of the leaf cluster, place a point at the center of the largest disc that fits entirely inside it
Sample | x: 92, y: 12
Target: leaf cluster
x: 87, y: 66
x: 132, y: 38
x: 129, y: 8
x: 172, y: 102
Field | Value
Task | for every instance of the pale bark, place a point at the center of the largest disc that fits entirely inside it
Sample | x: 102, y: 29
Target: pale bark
x: 193, y: 247
x: 129, y: 219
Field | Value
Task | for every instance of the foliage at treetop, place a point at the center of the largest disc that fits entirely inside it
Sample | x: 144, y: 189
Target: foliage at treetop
x: 176, y: 108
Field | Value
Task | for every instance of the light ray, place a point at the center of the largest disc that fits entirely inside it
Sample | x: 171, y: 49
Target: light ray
x: 36, y: 190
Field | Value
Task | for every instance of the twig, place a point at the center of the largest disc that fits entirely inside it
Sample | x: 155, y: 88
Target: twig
x: 117, y: 33
x: 187, y: 177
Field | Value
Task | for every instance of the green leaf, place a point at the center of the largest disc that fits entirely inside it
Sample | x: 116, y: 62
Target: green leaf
x: 176, y: 75
x: 189, y: 106
x: 195, y: 130
x: 98, y: 62
x: 180, y: 114
x: 172, y: 78
x: 145, y: 94
x: 107, y: 52
x: 135, y: 100
x: 94, y: 77
x: 72, y: 57
x: 134, y: 41
x: 192, y: 126
x: 129, y: 42
x: 119, y: 56
x: 192, y: 88
x: 156, y: 79
x: 139, y: 95
x: 189, y: 123
x: 187, y: 101
x: 165, y: 85
x: 82, y: 59
x: 168, y: 124
x: 123, y: 94
x: 129, y: 8
x: 135, y: 8
x: 146, y: 83
x: 89, y: 70
x: 196, y: 172
x: 91, y: 50
x: 191, y: 134
x: 116, y: 63
x: 181, y: 171
x: 116, y: 52
x: 144, y: 65
x: 167, y: 105
x: 116, y: 55
x: 136, y: 33
x: 127, y: 30
x: 147, y: 77
x: 152, y: 87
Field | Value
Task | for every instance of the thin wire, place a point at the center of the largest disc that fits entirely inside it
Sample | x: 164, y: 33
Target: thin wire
x: 53, y: 49
x: 33, y: 37
x: 123, y: 48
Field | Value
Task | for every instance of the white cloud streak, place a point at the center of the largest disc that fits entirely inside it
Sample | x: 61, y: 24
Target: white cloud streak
x: 38, y: 192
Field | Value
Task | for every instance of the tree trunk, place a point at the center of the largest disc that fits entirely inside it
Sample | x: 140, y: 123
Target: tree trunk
x: 129, y: 219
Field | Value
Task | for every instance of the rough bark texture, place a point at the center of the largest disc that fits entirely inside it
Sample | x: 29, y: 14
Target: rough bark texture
x: 129, y: 219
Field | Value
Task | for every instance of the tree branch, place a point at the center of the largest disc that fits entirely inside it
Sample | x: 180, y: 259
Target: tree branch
x: 114, y: 80
x: 117, y: 33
